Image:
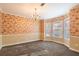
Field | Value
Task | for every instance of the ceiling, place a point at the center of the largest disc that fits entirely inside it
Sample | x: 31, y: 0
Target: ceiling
x: 49, y: 10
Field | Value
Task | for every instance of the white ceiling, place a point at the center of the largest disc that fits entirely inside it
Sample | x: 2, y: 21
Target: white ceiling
x: 49, y: 10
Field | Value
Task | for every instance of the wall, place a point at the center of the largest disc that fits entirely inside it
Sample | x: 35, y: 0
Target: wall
x: 18, y: 25
x: 16, y: 29
x: 74, y: 27
x: 41, y: 30
x: 0, y: 30
x: 74, y: 18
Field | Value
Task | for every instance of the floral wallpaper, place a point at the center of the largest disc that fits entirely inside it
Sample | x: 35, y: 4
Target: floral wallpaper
x: 12, y: 24
x: 0, y: 23
x: 74, y: 20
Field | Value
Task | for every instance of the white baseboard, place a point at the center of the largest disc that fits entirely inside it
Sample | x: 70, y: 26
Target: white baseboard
x: 73, y: 49
x: 18, y: 43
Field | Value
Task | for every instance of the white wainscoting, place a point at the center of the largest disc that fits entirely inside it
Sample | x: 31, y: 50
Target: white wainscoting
x: 0, y: 41
x: 19, y: 38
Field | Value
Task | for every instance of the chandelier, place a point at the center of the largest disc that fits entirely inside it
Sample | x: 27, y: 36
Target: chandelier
x: 36, y: 16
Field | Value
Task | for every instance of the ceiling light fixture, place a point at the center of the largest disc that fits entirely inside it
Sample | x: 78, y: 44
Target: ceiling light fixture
x: 42, y: 4
x: 36, y: 15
